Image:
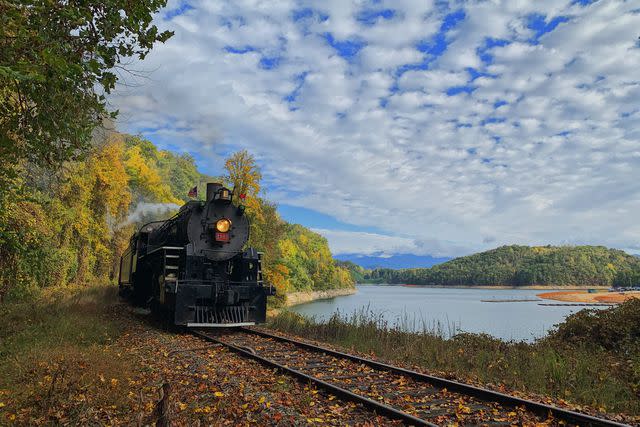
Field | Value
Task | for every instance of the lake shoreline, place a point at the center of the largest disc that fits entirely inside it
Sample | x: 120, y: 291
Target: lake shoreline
x: 298, y: 298
x: 530, y: 287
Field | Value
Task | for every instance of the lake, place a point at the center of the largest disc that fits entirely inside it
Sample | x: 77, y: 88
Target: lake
x: 453, y: 309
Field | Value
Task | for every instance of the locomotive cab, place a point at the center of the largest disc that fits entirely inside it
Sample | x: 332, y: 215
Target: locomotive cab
x: 194, y: 266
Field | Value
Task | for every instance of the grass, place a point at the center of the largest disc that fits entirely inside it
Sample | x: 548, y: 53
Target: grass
x: 65, y: 317
x: 593, y: 358
x: 55, y: 352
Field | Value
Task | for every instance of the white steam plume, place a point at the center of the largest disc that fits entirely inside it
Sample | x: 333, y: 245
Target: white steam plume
x: 144, y: 209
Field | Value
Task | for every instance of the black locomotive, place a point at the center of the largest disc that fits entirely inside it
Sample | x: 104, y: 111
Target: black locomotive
x: 193, y: 266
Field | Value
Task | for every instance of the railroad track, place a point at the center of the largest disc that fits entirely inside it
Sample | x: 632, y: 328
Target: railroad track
x: 412, y: 397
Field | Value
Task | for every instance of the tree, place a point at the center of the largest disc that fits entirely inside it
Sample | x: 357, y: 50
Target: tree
x: 58, y: 60
x: 244, y: 177
x: 627, y: 278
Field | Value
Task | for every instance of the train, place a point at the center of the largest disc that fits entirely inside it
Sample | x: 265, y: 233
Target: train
x: 194, y: 268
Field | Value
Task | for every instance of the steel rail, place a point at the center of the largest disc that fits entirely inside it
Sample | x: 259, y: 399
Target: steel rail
x: 487, y: 395
x: 380, y: 408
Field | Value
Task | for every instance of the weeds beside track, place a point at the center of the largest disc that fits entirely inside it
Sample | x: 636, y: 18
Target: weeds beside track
x: 410, y: 396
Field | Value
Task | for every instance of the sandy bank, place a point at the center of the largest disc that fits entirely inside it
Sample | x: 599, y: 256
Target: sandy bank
x: 533, y: 287
x: 584, y: 296
x: 296, y: 298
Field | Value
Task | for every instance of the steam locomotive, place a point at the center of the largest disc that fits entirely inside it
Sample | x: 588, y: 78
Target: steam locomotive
x: 192, y: 267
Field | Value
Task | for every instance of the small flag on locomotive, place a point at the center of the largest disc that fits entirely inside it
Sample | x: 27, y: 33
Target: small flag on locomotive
x: 195, y: 268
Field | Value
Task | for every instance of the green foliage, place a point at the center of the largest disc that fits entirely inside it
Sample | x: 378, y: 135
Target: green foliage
x: 357, y: 272
x: 181, y: 173
x: 67, y: 232
x: 53, y: 57
x: 523, y: 265
x: 627, y: 278
x: 617, y: 329
x: 307, y: 257
x: 57, y: 60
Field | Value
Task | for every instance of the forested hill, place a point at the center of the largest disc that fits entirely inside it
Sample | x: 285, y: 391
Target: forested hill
x: 521, y: 266
x: 70, y: 226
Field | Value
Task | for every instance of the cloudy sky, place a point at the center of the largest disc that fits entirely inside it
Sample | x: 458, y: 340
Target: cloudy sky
x: 424, y: 127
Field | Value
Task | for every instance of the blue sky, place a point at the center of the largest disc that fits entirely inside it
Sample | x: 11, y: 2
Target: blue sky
x: 431, y: 128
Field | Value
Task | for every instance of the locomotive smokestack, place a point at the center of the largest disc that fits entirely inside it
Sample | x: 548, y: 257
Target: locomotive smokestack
x: 212, y: 187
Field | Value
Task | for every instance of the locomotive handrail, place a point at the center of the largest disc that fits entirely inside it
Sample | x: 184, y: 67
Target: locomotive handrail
x: 209, y: 282
x: 165, y: 247
x: 218, y: 251
x: 162, y: 228
x: 149, y: 223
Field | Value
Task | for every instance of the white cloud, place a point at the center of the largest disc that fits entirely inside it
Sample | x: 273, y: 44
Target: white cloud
x: 374, y: 137
x: 358, y: 242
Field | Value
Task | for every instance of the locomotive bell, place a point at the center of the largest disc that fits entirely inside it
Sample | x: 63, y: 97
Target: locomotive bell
x: 216, y: 191
x: 212, y: 189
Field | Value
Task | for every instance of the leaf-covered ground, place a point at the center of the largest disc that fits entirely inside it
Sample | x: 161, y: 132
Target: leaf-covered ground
x: 84, y: 358
x: 123, y: 381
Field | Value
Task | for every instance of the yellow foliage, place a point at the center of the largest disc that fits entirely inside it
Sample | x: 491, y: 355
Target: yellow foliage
x: 541, y: 249
x: 111, y: 178
x: 278, y: 277
x: 288, y: 248
x: 244, y: 178
x: 144, y: 174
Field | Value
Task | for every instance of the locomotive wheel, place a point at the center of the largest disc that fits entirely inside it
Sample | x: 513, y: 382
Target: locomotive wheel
x: 158, y: 309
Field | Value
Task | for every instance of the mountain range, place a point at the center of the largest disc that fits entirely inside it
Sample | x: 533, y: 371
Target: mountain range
x: 395, y: 261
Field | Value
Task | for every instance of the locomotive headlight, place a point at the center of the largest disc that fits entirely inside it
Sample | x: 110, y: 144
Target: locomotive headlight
x: 223, y: 225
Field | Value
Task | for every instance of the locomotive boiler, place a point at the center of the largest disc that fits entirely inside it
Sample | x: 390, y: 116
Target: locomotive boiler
x: 194, y: 268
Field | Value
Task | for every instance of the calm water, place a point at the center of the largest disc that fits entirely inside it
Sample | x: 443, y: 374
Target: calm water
x: 454, y: 309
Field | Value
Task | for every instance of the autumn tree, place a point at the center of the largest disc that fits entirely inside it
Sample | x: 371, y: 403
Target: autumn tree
x: 244, y: 174
x: 244, y: 178
x: 58, y: 60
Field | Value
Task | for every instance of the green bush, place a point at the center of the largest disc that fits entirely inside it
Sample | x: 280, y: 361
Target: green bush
x: 614, y: 329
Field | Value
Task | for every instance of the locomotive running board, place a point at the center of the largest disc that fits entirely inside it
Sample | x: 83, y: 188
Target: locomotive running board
x: 219, y: 325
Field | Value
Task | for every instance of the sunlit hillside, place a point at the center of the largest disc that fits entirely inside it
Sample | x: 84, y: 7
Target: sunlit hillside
x: 70, y: 227
x: 524, y: 266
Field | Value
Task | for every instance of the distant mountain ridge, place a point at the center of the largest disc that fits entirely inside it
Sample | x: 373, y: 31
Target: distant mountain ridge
x: 519, y: 266
x: 394, y: 261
